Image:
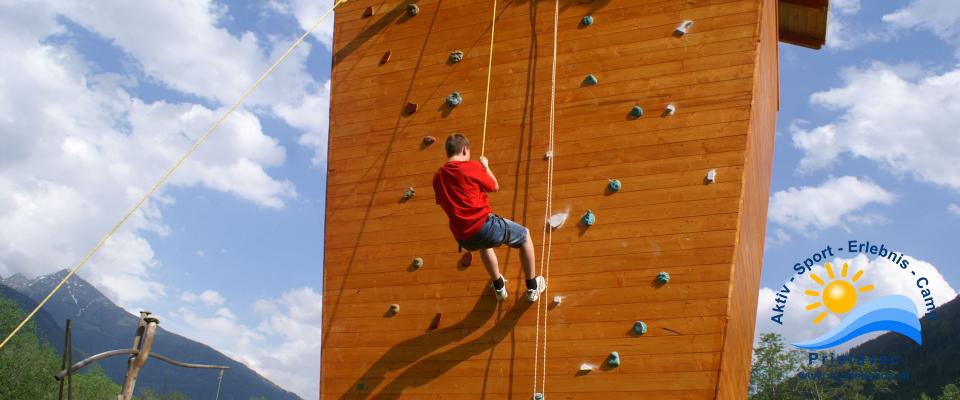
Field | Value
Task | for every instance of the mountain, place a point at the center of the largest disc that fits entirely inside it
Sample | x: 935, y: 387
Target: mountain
x: 100, y: 325
x: 929, y: 367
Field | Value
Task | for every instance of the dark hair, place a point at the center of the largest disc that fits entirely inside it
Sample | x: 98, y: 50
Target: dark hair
x: 456, y: 143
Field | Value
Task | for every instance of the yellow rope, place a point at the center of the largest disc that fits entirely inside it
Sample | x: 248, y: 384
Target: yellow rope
x: 167, y: 174
x: 486, y: 102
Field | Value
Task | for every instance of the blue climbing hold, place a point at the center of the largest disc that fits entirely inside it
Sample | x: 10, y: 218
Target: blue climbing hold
x: 589, y: 218
x: 410, y: 192
x: 614, y: 185
x: 590, y: 80
x: 639, y: 328
x: 454, y: 99
x: 614, y: 359
x: 663, y: 278
x: 636, y: 112
x: 538, y: 396
x: 456, y: 56
x: 587, y: 20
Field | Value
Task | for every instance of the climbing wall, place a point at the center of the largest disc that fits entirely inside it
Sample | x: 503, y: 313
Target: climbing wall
x: 404, y: 319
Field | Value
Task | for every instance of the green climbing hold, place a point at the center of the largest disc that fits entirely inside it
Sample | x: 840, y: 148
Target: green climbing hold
x: 614, y: 185
x: 417, y: 263
x: 614, y: 359
x: 589, y: 218
x: 590, y: 80
x: 410, y: 192
x: 639, y: 328
x: 636, y: 112
x: 413, y: 10
x: 663, y: 278
x: 454, y: 99
x: 361, y: 387
x: 456, y: 56
x: 587, y: 20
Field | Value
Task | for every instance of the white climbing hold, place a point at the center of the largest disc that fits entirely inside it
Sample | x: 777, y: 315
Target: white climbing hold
x: 548, y: 155
x: 557, y: 300
x: 671, y: 109
x: 711, y: 176
x: 683, y: 27
x: 586, y: 367
x: 557, y: 220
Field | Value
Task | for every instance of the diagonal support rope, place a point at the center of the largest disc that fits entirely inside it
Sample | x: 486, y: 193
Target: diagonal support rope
x: 166, y: 175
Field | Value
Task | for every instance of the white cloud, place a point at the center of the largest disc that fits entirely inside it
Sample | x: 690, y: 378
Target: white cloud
x: 809, y: 209
x: 953, y: 208
x: 846, y: 6
x: 904, y: 123
x: 940, y: 17
x: 312, y: 116
x: 887, y: 278
x: 284, y: 345
x: 79, y: 149
x: 209, y: 298
x: 307, y: 14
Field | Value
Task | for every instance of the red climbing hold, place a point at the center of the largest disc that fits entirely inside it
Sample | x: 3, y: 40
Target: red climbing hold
x: 466, y: 259
x: 368, y: 12
x: 385, y: 58
x: 428, y: 140
x: 411, y: 108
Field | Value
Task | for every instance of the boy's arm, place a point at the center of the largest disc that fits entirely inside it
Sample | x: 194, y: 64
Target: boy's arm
x: 486, y: 167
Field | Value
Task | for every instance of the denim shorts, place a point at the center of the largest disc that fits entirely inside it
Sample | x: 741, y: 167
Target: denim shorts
x: 496, y: 231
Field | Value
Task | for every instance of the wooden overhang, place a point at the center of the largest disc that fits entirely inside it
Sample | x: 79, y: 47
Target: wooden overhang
x: 804, y: 22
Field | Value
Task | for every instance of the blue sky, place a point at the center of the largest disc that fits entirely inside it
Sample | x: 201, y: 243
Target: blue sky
x: 107, y: 94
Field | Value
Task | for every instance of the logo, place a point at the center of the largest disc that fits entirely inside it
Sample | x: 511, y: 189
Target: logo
x: 849, y: 294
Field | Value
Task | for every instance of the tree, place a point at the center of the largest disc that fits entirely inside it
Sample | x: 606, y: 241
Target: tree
x: 950, y: 392
x: 773, y: 363
x: 28, y: 365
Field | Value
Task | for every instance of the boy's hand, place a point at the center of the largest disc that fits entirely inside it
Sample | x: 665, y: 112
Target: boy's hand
x: 484, y: 162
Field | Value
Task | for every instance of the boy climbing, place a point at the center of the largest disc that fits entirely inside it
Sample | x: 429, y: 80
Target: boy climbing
x: 461, y: 188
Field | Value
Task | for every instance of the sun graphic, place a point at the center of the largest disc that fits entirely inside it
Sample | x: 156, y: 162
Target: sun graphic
x: 839, y: 296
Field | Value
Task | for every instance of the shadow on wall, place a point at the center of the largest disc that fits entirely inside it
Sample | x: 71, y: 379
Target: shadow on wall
x: 423, y: 370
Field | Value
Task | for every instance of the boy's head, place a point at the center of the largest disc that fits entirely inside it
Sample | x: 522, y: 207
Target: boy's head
x: 457, y: 144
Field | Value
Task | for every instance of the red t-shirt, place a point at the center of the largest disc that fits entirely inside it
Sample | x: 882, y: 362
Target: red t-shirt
x: 461, y: 188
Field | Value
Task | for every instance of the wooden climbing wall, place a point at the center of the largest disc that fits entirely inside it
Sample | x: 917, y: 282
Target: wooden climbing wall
x: 722, y: 78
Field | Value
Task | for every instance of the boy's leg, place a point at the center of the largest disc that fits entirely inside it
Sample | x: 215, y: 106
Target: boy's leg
x: 527, y: 258
x: 489, y: 258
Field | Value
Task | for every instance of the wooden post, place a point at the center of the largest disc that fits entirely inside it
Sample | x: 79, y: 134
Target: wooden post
x: 67, y: 360
x: 146, y: 342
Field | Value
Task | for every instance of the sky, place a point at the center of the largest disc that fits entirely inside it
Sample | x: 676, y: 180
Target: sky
x: 867, y: 149
x: 97, y: 99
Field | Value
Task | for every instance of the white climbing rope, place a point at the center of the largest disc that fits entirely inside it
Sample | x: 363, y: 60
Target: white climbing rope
x: 547, y: 243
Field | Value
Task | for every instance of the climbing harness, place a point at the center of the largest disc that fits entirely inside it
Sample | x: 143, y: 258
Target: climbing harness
x: 166, y: 175
x: 547, y: 243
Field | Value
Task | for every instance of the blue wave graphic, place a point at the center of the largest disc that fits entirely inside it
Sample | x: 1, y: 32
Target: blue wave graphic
x: 893, y: 313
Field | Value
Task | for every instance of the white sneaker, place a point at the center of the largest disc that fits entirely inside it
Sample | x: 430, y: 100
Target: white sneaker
x: 502, y: 293
x: 534, y: 294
